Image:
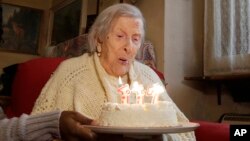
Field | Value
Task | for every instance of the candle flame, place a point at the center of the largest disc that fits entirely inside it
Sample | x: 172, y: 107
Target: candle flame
x: 136, y: 86
x: 157, y: 88
x: 120, y: 81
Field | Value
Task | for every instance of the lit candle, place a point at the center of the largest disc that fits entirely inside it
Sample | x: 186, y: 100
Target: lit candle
x: 137, y: 90
x: 155, y: 91
x: 124, y: 91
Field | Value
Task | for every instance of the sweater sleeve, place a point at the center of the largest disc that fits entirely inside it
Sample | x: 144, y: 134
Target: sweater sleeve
x: 38, y: 127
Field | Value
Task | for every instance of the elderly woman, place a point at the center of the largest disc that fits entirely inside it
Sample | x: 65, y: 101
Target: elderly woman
x: 85, y: 83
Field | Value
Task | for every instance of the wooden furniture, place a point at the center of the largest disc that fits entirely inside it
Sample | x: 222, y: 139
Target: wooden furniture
x: 236, y: 84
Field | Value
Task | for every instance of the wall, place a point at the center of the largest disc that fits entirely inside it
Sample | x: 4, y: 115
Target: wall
x: 153, y: 11
x: 183, y: 57
x: 179, y: 42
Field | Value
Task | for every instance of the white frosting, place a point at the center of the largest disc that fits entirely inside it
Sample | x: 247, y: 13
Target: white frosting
x: 161, y: 114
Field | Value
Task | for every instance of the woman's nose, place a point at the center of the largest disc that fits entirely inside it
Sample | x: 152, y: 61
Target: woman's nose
x: 128, y: 46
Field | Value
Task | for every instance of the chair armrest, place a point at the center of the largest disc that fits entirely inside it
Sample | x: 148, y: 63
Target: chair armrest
x: 212, y: 131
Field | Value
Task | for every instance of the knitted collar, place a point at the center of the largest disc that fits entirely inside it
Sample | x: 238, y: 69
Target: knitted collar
x: 109, y: 82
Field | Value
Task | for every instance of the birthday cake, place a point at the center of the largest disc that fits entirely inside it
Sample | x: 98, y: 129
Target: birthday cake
x: 160, y: 114
x: 139, y: 107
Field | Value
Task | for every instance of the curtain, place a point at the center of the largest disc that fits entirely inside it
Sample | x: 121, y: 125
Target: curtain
x: 227, y: 37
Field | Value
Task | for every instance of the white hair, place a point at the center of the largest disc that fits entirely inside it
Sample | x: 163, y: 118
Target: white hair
x: 102, y: 24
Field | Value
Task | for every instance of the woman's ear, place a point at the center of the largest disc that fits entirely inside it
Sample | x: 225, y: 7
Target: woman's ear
x: 98, y: 49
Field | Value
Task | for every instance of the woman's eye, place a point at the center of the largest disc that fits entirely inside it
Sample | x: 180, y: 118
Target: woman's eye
x: 120, y: 36
x: 136, y: 39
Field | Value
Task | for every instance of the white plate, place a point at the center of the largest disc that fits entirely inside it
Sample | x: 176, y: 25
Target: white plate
x: 184, y: 127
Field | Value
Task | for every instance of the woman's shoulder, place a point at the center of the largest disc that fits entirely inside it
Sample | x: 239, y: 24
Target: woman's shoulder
x: 80, y: 59
x: 146, y: 72
x: 142, y: 67
x: 75, y: 63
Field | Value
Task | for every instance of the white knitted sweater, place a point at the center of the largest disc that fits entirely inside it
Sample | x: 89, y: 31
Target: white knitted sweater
x: 81, y: 84
x: 42, y: 127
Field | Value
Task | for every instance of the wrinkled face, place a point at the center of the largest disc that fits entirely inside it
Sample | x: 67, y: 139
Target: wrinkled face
x: 121, y: 45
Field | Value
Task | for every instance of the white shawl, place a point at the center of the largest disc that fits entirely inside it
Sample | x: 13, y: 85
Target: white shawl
x: 82, y: 84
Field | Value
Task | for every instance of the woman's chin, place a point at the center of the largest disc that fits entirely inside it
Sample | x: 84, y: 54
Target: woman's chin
x: 121, y: 73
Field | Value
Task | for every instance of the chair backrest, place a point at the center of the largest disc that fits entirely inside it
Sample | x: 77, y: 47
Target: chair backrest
x: 79, y: 45
x: 30, y: 78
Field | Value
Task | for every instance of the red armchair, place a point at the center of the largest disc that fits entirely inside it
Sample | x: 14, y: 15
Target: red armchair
x: 32, y: 75
x: 29, y: 79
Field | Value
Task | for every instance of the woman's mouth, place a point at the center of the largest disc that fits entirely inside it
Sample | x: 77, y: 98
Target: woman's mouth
x: 123, y: 61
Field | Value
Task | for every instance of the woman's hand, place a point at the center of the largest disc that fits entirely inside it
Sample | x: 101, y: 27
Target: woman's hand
x: 72, y: 129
